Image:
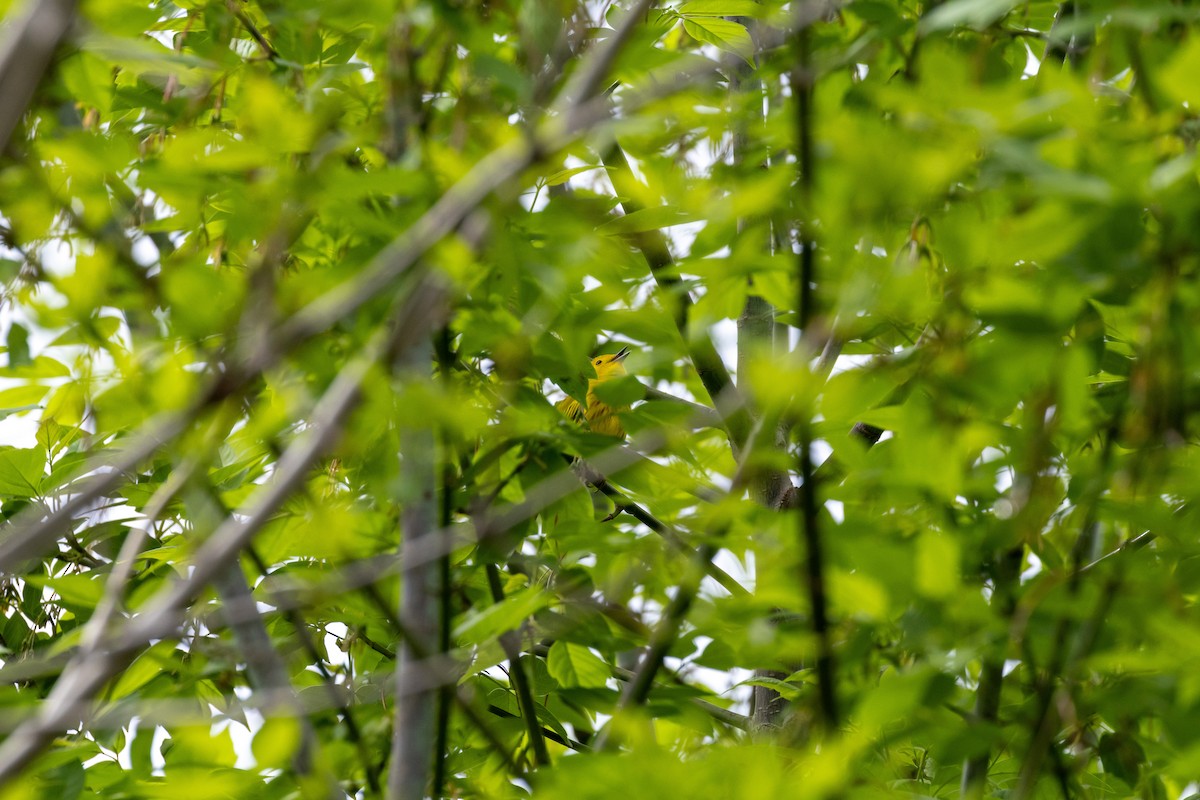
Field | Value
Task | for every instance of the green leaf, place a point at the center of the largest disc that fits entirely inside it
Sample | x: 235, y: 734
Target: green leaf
x: 479, y: 626
x: 620, y: 392
x: 150, y: 664
x: 18, y: 346
x: 276, y: 741
x: 721, y: 8
x: 39, y: 368
x: 728, y: 36
x: 197, y: 745
x: 22, y: 398
x: 1122, y: 756
x: 22, y: 471
x: 90, y: 332
x: 575, y: 665
x: 562, y: 176
x: 785, y: 689
x: 977, y: 14
x: 19, y: 400
x: 937, y: 565
x: 79, y: 592
x: 647, y: 219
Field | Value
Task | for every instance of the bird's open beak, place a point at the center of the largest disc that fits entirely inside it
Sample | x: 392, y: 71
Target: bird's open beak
x: 621, y: 354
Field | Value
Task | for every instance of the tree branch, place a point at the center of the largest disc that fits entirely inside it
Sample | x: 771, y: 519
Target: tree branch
x: 510, y: 642
x: 25, y: 55
x: 93, y: 667
x: 420, y: 593
x: 803, y: 81
x: 627, y: 506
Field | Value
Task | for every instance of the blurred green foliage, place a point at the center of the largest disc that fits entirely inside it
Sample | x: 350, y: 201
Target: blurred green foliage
x: 1003, y: 204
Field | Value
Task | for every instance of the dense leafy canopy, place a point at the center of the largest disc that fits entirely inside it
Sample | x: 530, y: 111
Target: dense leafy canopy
x: 906, y: 505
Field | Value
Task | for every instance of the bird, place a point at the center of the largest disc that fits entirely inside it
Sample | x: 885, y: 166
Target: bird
x: 598, y: 416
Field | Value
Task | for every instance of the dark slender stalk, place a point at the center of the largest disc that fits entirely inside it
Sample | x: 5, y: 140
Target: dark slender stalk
x: 445, y: 356
x: 552, y: 735
x: 1005, y: 573
x: 803, y: 80
x: 511, y: 643
x: 1067, y: 47
x: 252, y: 29
x: 627, y: 506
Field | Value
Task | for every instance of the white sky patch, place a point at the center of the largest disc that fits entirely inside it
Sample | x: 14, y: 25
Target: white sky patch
x: 1032, y: 64
x: 335, y: 631
x: 1033, y: 570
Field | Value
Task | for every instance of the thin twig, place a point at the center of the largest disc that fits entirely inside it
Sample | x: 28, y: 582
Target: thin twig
x: 252, y: 29
x: 627, y: 506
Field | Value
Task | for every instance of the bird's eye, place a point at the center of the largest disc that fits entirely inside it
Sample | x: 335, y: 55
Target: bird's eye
x: 596, y: 362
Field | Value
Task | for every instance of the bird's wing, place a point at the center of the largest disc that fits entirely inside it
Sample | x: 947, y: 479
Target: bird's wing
x: 569, y: 407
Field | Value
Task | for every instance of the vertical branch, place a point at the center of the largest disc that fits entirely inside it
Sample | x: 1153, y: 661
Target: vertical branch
x: 510, y: 642
x: 420, y: 604
x: 445, y: 359
x: 803, y: 79
x: 414, y: 731
x: 757, y: 336
x: 402, y: 95
x: 1029, y: 486
x: 1005, y: 571
x: 756, y: 324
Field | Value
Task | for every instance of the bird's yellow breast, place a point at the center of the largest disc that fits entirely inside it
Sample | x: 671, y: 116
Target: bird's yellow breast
x: 599, y: 416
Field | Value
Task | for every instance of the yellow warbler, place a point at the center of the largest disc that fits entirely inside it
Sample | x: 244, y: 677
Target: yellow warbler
x: 599, y: 416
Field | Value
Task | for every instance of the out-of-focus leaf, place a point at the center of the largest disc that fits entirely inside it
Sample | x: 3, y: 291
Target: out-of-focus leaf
x: 726, y: 35
x: 18, y: 346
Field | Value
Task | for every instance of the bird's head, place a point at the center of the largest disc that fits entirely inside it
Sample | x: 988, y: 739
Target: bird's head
x: 610, y: 365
